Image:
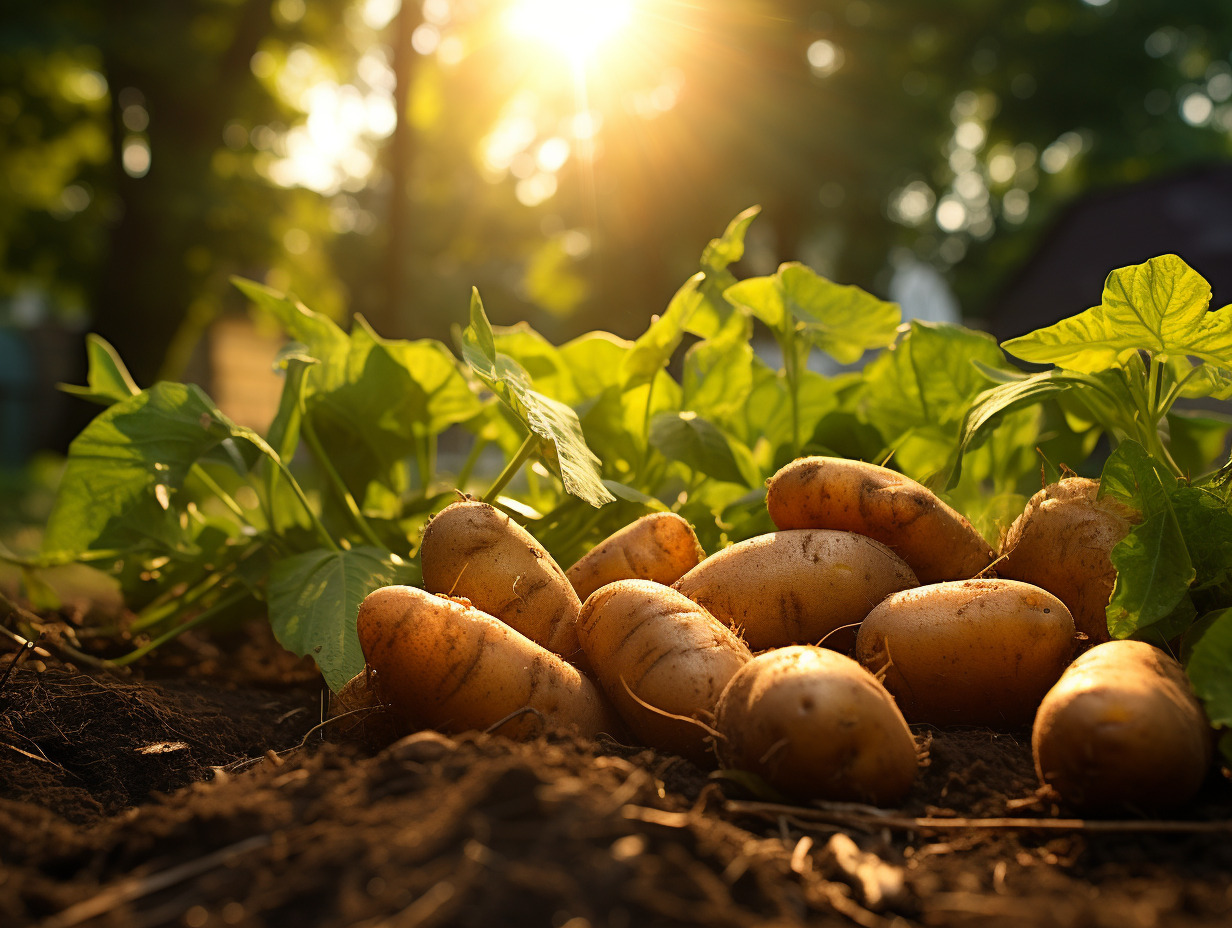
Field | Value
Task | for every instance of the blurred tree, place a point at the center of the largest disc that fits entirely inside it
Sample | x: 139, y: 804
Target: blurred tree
x: 383, y: 157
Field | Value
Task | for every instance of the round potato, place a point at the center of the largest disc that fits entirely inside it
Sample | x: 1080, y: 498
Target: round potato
x: 475, y: 551
x: 444, y: 663
x: 357, y: 714
x: 1062, y: 542
x: 797, y: 586
x: 814, y: 723
x: 852, y: 496
x: 660, y: 547
x: 1122, y: 728
x: 968, y: 652
x: 655, y: 649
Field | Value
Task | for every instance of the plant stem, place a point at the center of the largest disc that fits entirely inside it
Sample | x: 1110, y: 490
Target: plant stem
x: 791, y: 373
x: 515, y: 463
x: 472, y: 458
x: 335, y: 481
x: 204, y: 616
x: 227, y: 500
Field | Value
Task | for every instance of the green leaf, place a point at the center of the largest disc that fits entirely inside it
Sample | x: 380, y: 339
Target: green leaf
x: 842, y: 320
x: 1153, y: 575
x: 563, y: 445
x: 107, y: 379
x: 1210, y: 671
x: 542, y: 361
x: 718, y: 373
x: 314, y: 601
x: 1159, y: 306
x: 1135, y: 478
x: 729, y: 249
x: 594, y: 361
x: 698, y: 443
x: 714, y: 312
x: 127, y: 466
x: 322, y: 338
x: 654, y: 348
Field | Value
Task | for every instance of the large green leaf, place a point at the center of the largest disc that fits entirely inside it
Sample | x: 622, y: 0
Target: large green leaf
x: 1154, y: 568
x: 1159, y: 306
x: 314, y: 600
x: 714, y: 312
x: 1209, y: 667
x: 654, y: 347
x: 692, y: 440
x: 562, y: 443
x: 718, y: 373
x: 127, y: 466
x: 842, y: 320
x: 107, y: 379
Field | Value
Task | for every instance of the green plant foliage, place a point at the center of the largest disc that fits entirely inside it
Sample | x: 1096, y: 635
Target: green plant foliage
x: 209, y: 520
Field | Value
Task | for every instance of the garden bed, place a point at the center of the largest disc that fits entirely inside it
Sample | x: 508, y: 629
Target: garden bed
x: 202, y: 796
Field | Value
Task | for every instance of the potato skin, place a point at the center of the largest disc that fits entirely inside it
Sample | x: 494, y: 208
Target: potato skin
x: 797, y: 586
x: 814, y: 723
x: 361, y: 716
x: 853, y: 496
x: 1062, y: 542
x: 446, y: 664
x: 671, y: 653
x: 968, y: 652
x: 1122, y: 728
x: 660, y: 546
x: 475, y: 551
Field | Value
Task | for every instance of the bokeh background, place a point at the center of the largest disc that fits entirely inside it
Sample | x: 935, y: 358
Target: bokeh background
x: 983, y: 159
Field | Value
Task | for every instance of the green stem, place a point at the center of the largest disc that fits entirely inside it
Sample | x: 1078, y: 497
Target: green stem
x: 644, y: 455
x: 339, y: 488
x: 515, y: 463
x: 472, y: 458
x: 162, y: 609
x: 204, y: 616
x: 317, y: 524
x: 227, y: 500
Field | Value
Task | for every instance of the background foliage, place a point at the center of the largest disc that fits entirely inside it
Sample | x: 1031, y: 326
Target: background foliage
x: 384, y: 159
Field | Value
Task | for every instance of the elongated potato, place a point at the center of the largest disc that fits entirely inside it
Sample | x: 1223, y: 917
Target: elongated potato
x: 647, y: 641
x: 1122, y: 728
x: 852, y: 496
x: 659, y: 547
x: 475, y: 551
x: 816, y: 724
x: 968, y: 652
x: 797, y: 586
x: 445, y: 664
x: 1062, y: 543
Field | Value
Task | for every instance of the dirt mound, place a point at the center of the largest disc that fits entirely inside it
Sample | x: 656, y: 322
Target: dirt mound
x: 97, y: 829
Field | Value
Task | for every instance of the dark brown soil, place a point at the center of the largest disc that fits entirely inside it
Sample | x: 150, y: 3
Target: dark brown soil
x: 189, y: 800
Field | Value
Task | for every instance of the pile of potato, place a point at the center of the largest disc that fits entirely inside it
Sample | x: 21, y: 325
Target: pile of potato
x: 646, y: 638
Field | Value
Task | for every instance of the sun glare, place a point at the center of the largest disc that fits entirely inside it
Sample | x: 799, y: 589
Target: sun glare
x: 575, y: 28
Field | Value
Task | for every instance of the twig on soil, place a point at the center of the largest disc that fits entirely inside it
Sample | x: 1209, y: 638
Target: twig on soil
x: 17, y: 659
x: 131, y: 890
x: 66, y: 652
x: 869, y: 821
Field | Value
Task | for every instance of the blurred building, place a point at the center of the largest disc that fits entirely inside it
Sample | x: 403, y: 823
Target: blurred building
x: 1187, y: 214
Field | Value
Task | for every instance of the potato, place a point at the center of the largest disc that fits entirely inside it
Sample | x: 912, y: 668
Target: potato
x: 475, y: 551
x: 1061, y: 542
x: 814, y: 723
x: 660, y: 547
x: 852, y: 496
x: 446, y: 664
x: 968, y: 652
x: 646, y: 640
x: 361, y: 716
x: 797, y: 586
x: 1122, y: 728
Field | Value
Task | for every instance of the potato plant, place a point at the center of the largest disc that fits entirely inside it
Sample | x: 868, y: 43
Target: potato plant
x: 205, y: 521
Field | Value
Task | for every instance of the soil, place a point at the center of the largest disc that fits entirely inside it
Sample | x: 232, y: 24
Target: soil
x: 204, y: 795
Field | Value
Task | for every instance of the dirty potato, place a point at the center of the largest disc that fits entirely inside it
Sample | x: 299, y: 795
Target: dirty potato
x: 852, y: 496
x: 798, y: 586
x: 660, y: 546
